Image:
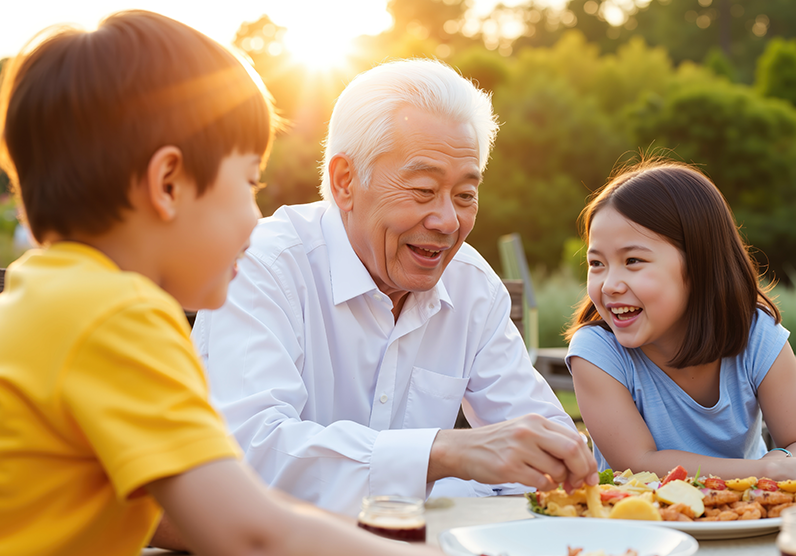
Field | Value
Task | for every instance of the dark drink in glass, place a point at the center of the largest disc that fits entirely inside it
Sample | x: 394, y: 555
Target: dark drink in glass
x: 394, y: 517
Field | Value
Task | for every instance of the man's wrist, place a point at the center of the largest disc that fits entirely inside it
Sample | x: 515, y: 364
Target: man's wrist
x: 442, y: 460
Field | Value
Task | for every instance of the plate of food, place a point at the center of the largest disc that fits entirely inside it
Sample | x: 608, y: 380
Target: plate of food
x: 566, y: 536
x: 706, y: 507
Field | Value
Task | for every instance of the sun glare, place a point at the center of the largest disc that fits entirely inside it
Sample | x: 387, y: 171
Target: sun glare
x: 320, y: 33
x: 318, y: 52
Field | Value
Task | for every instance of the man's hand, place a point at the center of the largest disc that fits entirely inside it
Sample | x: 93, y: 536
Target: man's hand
x: 530, y: 450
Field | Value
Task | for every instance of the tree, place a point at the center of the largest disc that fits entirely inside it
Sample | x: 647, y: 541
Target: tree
x: 776, y: 70
x: 745, y: 143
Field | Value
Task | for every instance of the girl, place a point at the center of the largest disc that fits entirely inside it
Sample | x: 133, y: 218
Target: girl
x: 676, y: 348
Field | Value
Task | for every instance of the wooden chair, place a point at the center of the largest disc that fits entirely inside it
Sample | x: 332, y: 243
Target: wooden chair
x: 515, y: 267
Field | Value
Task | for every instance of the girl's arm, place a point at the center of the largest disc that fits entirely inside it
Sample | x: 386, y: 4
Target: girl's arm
x: 222, y: 508
x: 625, y: 441
x: 777, y: 397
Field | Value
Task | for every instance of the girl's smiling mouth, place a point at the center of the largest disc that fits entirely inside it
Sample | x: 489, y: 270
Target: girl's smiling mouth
x: 624, y: 315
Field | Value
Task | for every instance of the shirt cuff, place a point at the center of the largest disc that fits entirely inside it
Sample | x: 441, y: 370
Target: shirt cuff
x: 399, y: 464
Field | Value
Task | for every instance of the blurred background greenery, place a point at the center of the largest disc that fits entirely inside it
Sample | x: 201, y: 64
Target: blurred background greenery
x: 580, y: 87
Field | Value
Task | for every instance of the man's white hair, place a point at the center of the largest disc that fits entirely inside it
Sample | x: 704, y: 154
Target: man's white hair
x: 362, y: 120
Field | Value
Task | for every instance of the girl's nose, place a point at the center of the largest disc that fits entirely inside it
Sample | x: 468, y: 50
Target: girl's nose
x: 613, y: 285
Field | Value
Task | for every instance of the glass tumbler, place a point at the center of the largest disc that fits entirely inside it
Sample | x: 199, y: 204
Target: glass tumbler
x: 394, y: 517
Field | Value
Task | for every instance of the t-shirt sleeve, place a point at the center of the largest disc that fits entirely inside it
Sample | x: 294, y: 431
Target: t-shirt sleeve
x: 600, y: 348
x: 136, y: 389
x: 766, y: 340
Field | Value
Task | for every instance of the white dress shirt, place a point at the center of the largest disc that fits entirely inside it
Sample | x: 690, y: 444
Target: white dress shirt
x: 332, y: 399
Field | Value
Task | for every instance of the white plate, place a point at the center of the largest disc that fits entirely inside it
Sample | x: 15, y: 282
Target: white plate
x: 550, y: 537
x: 707, y: 530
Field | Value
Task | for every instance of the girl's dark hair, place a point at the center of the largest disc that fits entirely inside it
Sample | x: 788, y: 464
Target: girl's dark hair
x: 82, y: 113
x: 679, y: 203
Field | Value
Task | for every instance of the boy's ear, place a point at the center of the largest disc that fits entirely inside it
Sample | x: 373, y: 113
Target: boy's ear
x: 166, y: 181
x: 341, y: 181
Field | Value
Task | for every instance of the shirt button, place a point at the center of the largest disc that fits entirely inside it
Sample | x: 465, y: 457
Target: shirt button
x: 430, y: 305
x: 377, y: 296
x: 383, y: 398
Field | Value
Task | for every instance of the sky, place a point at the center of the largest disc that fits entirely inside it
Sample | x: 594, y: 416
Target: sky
x: 329, y: 20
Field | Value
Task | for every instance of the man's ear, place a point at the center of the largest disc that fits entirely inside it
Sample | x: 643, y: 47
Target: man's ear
x: 165, y: 181
x: 341, y: 180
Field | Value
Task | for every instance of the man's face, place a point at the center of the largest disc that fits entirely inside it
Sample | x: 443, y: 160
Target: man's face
x: 420, y: 205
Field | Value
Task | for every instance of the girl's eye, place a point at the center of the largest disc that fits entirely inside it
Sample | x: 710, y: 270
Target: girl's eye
x: 633, y: 260
x: 594, y: 264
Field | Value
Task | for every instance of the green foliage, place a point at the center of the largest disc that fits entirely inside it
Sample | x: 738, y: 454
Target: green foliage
x: 292, y: 174
x: 776, y: 70
x: 718, y: 62
x: 487, y: 69
x: 556, y: 295
x: 745, y: 143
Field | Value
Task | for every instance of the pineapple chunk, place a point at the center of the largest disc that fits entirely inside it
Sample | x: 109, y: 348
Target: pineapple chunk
x: 681, y: 492
x: 787, y: 486
x: 741, y: 484
x: 643, y: 477
x: 635, y: 508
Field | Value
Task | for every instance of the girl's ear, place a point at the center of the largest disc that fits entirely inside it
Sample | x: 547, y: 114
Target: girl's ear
x: 341, y: 181
x: 166, y: 181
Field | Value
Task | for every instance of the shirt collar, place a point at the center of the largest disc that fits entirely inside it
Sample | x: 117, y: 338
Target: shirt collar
x: 349, y: 276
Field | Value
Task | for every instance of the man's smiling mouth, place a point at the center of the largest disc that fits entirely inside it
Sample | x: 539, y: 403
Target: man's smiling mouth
x: 424, y: 252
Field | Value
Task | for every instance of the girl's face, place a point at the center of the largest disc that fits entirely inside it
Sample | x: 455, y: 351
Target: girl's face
x: 637, y: 283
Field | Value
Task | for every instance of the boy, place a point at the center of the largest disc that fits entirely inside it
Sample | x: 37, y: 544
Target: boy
x: 134, y: 149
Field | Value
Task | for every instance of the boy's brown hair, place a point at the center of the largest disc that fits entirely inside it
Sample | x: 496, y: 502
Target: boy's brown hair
x: 82, y: 113
x: 679, y: 203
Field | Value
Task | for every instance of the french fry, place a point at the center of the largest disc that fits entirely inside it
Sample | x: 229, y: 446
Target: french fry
x: 593, y: 502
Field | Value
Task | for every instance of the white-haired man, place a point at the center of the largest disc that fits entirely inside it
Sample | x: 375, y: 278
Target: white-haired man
x: 357, y: 325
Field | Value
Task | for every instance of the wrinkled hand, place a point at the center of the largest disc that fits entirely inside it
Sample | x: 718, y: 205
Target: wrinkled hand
x: 530, y: 450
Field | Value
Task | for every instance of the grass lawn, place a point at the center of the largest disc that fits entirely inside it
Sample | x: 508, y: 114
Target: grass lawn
x: 567, y: 399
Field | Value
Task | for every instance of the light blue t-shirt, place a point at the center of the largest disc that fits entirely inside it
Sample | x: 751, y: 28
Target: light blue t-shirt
x: 730, y: 429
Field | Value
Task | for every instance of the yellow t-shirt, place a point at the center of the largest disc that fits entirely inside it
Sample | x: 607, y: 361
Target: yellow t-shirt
x: 101, y: 392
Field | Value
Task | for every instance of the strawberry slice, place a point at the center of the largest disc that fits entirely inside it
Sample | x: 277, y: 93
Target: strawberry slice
x: 608, y: 495
x: 767, y: 484
x: 715, y: 483
x: 678, y: 473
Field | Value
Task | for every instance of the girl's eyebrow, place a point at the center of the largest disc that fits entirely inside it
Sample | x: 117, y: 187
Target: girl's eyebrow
x: 625, y: 249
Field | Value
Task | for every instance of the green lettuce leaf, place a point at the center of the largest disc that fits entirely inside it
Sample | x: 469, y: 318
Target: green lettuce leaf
x: 696, y: 482
x: 533, y: 501
x: 607, y: 477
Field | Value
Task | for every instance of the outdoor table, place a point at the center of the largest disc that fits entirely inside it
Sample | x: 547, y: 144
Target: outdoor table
x: 447, y: 513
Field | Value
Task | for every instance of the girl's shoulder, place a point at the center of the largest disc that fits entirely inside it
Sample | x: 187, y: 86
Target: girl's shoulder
x: 600, y: 347
x: 594, y: 334
x: 766, y: 340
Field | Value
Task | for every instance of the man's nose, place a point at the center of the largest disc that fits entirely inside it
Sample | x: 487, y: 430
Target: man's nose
x: 443, y: 217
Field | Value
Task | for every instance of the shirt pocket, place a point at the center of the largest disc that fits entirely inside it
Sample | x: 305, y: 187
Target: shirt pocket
x: 433, y: 399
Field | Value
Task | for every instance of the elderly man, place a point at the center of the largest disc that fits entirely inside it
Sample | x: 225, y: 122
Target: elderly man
x: 358, y: 325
